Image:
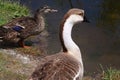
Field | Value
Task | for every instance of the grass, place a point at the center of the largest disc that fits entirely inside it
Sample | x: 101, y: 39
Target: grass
x: 30, y: 51
x: 108, y: 74
x: 10, y: 9
x: 111, y: 74
x: 104, y: 74
x: 7, y: 75
x: 12, y: 68
x: 8, y: 68
x: 13, y: 64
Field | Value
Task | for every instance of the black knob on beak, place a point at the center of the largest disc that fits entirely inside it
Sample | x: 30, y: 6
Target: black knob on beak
x: 86, y: 20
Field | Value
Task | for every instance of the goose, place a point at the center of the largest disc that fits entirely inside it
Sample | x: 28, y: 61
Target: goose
x: 17, y: 30
x: 66, y: 64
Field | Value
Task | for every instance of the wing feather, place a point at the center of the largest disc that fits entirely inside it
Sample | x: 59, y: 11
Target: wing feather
x: 56, y: 68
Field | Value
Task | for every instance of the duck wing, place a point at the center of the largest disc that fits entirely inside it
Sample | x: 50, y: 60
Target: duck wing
x: 8, y: 34
x: 18, y: 28
x: 26, y: 26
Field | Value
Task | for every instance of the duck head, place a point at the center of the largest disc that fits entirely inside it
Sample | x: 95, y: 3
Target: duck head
x: 46, y: 9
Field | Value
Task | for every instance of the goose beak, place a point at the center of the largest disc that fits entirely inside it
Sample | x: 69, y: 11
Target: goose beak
x: 86, y: 20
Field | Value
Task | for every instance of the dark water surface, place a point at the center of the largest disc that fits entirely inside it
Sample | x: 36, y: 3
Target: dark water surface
x: 98, y: 40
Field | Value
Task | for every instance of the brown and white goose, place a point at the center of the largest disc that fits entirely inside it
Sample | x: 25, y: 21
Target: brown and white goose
x: 65, y: 65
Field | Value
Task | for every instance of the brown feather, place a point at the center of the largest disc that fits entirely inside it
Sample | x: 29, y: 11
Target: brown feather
x: 60, y: 66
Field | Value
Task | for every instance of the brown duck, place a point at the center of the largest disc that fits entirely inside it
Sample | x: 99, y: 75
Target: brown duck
x: 21, y: 28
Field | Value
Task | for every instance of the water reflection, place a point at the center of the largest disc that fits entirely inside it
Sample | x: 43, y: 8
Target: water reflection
x: 97, y: 46
x: 110, y: 15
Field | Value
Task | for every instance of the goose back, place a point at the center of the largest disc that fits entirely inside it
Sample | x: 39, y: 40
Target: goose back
x: 60, y: 66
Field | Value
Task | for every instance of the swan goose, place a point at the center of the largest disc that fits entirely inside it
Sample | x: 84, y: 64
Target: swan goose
x: 65, y: 65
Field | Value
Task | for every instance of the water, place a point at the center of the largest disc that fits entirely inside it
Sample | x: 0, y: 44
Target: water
x: 98, y: 40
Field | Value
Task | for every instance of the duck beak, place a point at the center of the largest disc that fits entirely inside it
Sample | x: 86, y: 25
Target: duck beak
x: 86, y: 20
x: 54, y: 10
x: 1, y: 39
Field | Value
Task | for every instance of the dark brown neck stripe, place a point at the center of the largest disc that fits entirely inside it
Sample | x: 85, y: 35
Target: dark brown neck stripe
x: 61, y: 33
x: 61, y: 39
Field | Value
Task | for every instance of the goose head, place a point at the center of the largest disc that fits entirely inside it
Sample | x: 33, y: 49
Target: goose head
x: 74, y: 16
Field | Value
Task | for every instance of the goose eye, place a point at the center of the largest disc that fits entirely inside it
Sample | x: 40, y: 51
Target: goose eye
x: 81, y: 14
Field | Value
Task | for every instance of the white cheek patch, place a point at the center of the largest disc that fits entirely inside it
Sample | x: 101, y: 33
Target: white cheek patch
x: 75, y: 18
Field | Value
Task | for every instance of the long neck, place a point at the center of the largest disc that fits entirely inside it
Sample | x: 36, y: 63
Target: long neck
x: 67, y: 42
x: 40, y: 21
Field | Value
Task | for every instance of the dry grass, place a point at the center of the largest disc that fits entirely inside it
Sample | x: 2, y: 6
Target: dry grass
x: 29, y: 51
x: 10, y: 68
